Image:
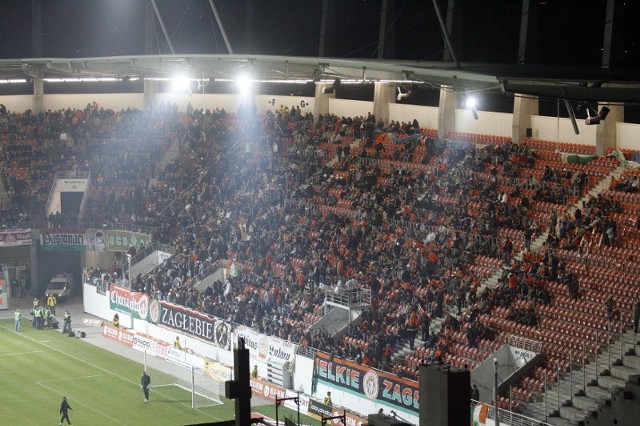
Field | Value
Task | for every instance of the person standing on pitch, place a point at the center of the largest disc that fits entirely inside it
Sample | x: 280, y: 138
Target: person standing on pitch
x: 67, y: 322
x: 64, y: 411
x: 145, y: 381
x: 18, y: 317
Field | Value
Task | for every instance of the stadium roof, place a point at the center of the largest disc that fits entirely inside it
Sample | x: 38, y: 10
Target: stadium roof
x: 572, y: 83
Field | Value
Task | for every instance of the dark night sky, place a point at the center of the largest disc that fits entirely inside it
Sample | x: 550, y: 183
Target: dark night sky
x: 566, y: 32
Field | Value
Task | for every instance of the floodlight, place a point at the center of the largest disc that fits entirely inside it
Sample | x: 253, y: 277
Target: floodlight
x: 471, y: 102
x: 180, y: 84
x: 332, y: 87
x: 591, y: 120
x: 403, y: 93
x: 244, y: 84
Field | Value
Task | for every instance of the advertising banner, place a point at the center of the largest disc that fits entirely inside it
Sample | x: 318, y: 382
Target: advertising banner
x: 118, y: 334
x: 318, y: 409
x: 217, y: 370
x: 17, y: 237
x: 152, y: 346
x: 4, y: 291
x: 266, y: 348
x: 193, y: 323
x: 352, y: 419
x: 269, y: 391
x: 375, y: 385
x: 129, y: 302
x: 123, y: 240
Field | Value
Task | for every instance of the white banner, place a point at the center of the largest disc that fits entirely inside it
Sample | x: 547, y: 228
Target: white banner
x: 266, y: 348
x: 152, y: 346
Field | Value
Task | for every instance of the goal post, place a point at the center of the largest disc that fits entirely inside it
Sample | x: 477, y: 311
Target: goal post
x: 204, y: 389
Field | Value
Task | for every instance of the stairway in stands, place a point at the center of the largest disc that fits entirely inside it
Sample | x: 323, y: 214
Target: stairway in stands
x: 169, y: 155
x: 571, y: 399
x: 4, y: 195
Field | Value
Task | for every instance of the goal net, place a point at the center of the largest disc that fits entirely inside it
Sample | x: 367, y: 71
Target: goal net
x: 203, y: 389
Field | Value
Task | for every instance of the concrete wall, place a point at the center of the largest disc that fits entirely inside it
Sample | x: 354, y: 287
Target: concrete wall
x: 627, y: 135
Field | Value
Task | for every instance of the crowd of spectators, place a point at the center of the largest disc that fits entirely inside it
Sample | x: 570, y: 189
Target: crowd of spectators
x: 295, y: 206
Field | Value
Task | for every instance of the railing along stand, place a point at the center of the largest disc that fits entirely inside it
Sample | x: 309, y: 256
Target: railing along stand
x: 569, y: 402
x: 556, y: 412
x: 618, y: 362
x: 594, y: 382
x: 583, y: 391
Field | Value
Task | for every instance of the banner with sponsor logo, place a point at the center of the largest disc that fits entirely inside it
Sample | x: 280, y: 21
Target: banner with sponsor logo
x: 72, y: 239
x: 4, y: 291
x: 150, y: 345
x: 266, y: 348
x: 375, y: 385
x: 318, y: 409
x: 265, y: 390
x: 351, y: 419
x: 129, y: 302
x: 123, y: 240
x: 196, y: 324
x: 217, y: 370
x: 118, y: 334
x: 17, y: 237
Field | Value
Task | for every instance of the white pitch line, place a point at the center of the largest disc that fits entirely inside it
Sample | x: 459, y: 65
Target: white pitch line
x: 25, y: 353
x: 92, y: 376
x: 100, y: 368
x: 78, y: 401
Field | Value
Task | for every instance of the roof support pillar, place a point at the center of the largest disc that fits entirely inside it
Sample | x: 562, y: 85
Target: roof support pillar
x: 447, y: 111
x: 150, y: 94
x: 606, y: 135
x: 38, y: 90
x: 523, y: 108
x: 321, y: 104
x: 383, y: 95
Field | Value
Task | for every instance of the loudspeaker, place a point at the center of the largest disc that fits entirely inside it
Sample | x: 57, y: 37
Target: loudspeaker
x: 444, y: 396
x: 529, y: 132
x: 604, y: 111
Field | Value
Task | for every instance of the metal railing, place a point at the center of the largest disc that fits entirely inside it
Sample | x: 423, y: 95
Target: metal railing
x: 508, y: 417
x: 150, y: 249
x: 525, y: 343
x: 348, y: 298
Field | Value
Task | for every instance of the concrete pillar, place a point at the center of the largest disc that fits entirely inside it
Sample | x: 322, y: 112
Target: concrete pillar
x: 447, y: 111
x: 523, y: 109
x: 321, y: 104
x: 383, y: 95
x: 606, y: 130
x: 150, y: 94
x: 38, y: 90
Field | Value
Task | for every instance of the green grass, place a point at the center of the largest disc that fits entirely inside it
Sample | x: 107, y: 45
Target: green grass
x: 38, y: 367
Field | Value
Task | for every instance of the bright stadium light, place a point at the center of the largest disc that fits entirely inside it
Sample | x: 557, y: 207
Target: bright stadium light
x: 181, y: 84
x: 471, y: 103
x: 244, y: 84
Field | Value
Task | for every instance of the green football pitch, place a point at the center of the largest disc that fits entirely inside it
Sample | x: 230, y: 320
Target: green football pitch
x: 39, y: 367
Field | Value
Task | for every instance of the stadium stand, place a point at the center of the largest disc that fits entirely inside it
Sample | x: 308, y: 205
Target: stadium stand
x: 463, y: 242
